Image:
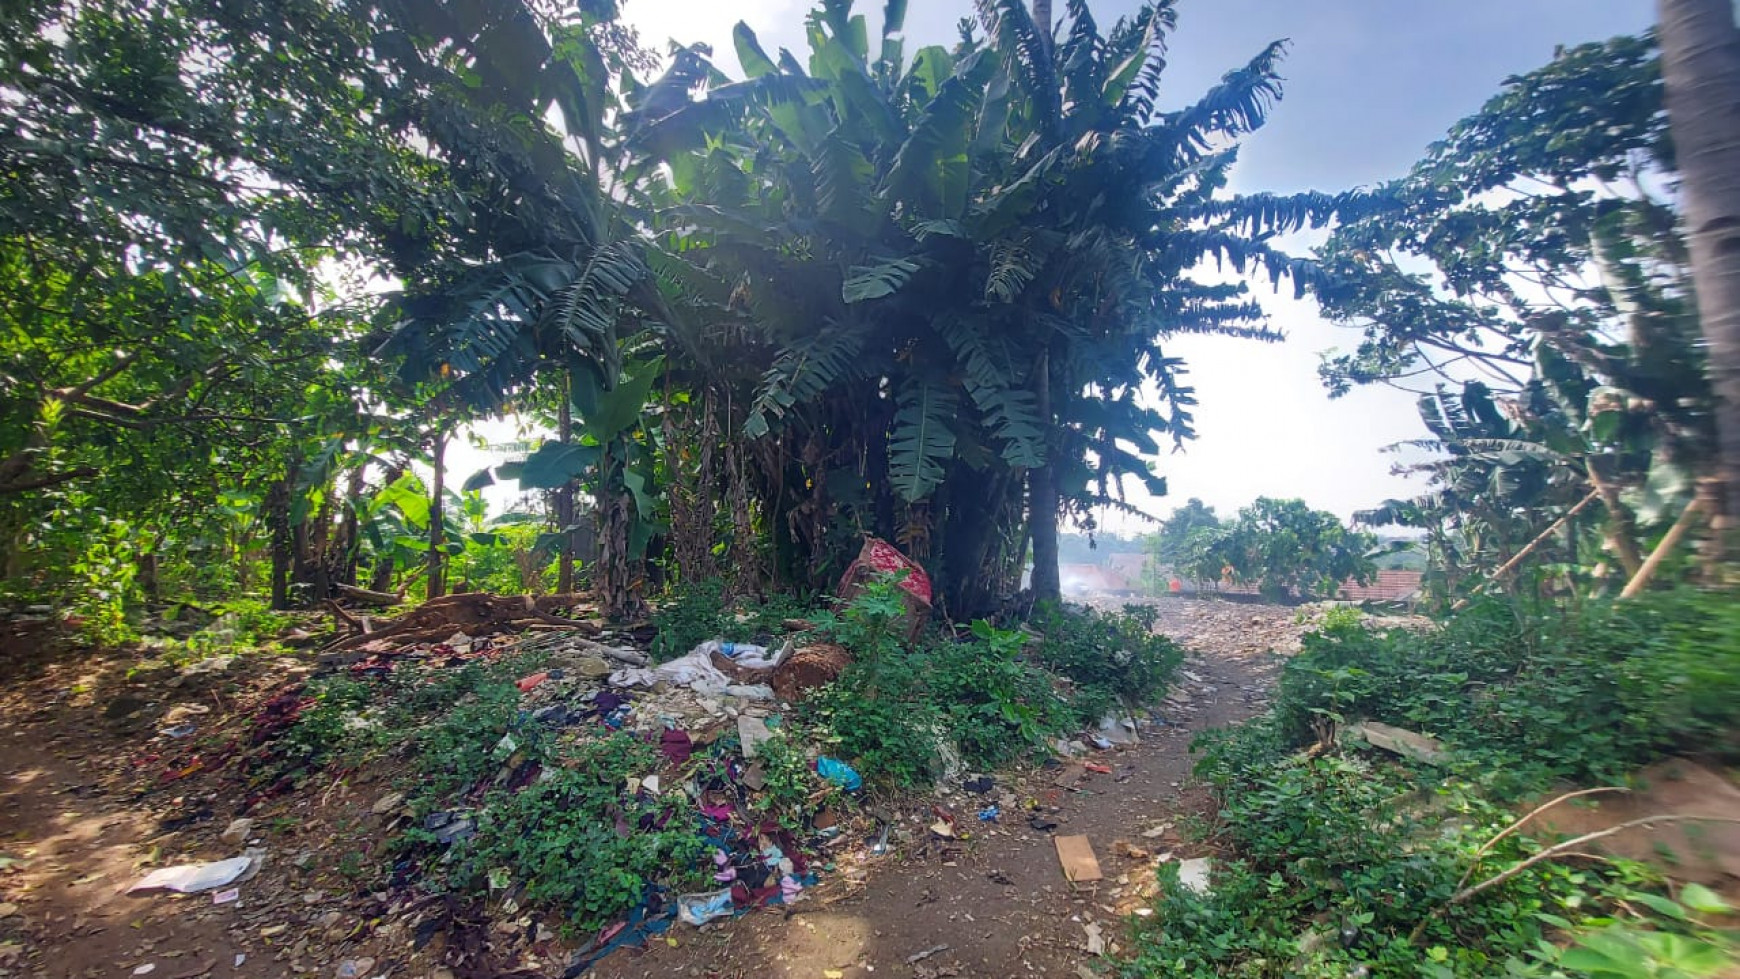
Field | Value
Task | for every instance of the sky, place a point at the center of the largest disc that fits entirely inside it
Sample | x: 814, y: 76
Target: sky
x: 1368, y: 85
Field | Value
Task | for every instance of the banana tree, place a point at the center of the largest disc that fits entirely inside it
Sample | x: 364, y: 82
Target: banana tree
x: 952, y: 272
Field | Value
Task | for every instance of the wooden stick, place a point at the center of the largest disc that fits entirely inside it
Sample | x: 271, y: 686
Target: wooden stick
x: 369, y: 595
x: 1557, y: 849
x: 344, y: 616
x: 1519, y: 824
x: 1668, y: 542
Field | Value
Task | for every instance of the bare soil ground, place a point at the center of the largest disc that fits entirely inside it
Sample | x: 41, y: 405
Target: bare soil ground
x: 91, y: 797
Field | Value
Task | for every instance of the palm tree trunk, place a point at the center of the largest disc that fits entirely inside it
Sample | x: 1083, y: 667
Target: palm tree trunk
x: 1700, y: 48
x: 437, y: 586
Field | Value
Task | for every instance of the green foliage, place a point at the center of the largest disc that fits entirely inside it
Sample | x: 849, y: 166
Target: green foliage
x: 1284, y: 547
x: 1107, y: 655
x: 1344, y: 860
x: 1338, y: 862
x: 1540, y: 245
x: 557, y: 838
x: 1167, y: 546
x: 789, y: 784
x: 1528, y: 695
x: 987, y: 219
x: 698, y: 611
x: 327, y: 727
x: 897, y: 706
x: 466, y: 743
x: 1626, y: 949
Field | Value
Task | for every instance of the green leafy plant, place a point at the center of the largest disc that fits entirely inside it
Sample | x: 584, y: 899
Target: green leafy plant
x: 558, y: 839
x: 1342, y: 860
x: 1631, y: 949
x: 1108, y: 655
x: 790, y: 787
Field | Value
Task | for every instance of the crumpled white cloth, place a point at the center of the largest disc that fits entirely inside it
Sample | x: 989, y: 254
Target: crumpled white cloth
x: 697, y: 672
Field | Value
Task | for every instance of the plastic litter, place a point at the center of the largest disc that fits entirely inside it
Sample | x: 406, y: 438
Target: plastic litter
x: 918, y: 957
x: 1193, y: 874
x: 227, y: 897
x: 179, y: 730
x: 839, y: 773
x: 191, y: 878
x: 744, y: 654
x: 990, y: 814
x: 697, y: 672
x: 698, y: 909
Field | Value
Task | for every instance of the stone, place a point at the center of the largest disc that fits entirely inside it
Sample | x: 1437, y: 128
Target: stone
x: 388, y: 803
x: 592, y: 667
x: 1402, y: 742
x: 236, y: 833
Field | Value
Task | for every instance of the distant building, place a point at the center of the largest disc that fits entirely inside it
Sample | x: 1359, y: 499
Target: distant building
x: 1131, y: 565
x: 1386, y: 586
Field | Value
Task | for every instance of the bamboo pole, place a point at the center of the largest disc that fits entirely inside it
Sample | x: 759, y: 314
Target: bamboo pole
x: 1528, y: 549
x: 1669, y: 541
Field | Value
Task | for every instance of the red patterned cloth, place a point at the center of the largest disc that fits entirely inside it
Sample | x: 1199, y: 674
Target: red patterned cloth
x: 880, y: 556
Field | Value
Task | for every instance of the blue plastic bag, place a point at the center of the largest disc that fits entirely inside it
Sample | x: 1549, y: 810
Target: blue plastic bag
x: 839, y: 773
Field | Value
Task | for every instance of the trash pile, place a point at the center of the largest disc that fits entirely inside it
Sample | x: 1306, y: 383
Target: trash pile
x: 765, y: 815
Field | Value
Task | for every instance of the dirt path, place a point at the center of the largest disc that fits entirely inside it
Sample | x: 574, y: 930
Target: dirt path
x: 1000, y: 905
x: 75, y: 748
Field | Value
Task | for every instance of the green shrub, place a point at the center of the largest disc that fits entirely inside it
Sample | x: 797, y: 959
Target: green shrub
x: 558, y: 837
x: 1531, y: 695
x: 893, y: 709
x: 1346, y: 864
x: 1108, y: 655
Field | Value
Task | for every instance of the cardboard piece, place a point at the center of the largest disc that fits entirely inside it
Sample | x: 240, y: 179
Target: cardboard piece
x: 752, y: 732
x: 1076, y: 855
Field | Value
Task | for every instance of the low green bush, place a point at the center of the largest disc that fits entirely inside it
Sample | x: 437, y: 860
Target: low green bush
x: 989, y: 697
x: 1344, y: 863
x: 560, y: 838
x: 1108, y: 655
x: 1529, y: 695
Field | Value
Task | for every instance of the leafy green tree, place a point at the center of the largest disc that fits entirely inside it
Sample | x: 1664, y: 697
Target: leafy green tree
x: 1535, y: 259
x: 1285, y: 548
x: 1167, y: 546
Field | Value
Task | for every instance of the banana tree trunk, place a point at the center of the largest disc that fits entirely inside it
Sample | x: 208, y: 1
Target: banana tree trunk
x: 1700, y: 48
x: 565, y: 498
x: 1042, y: 501
x: 437, y: 585
x: 1042, y: 20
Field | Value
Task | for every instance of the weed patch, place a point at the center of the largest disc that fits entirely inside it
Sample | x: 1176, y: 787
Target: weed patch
x: 1346, y: 864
